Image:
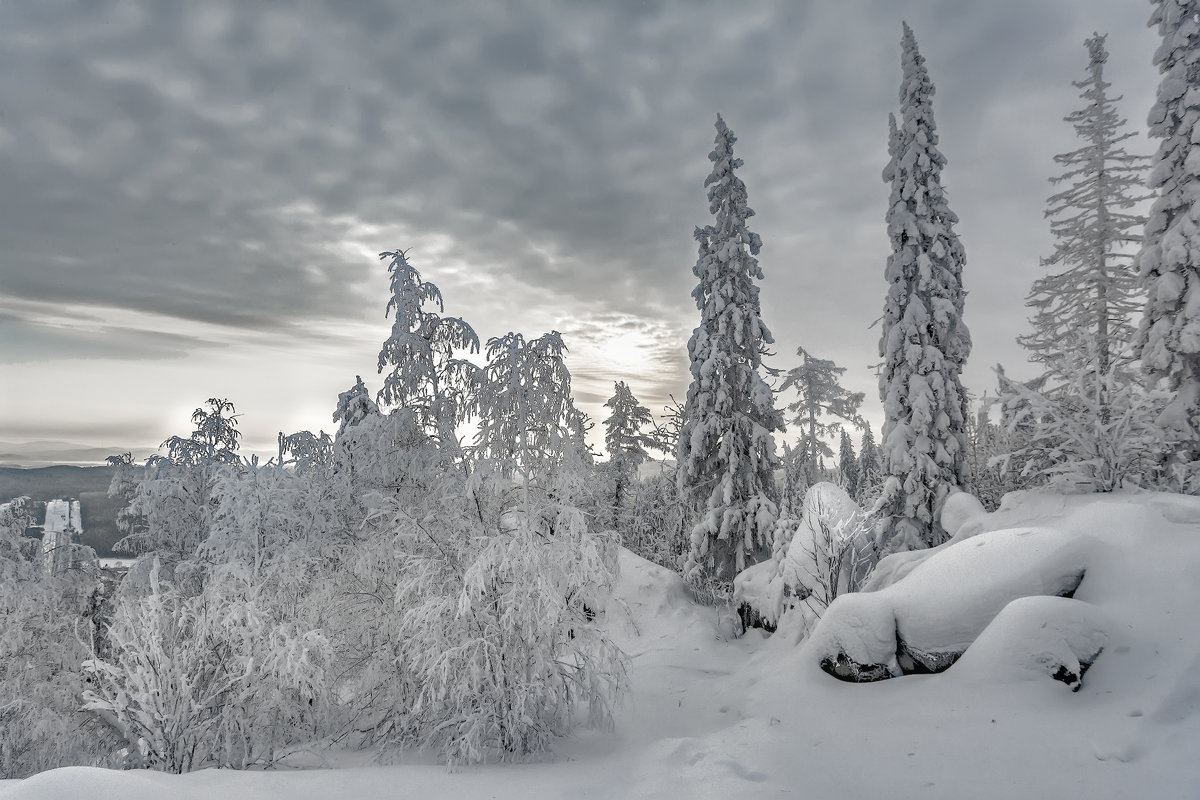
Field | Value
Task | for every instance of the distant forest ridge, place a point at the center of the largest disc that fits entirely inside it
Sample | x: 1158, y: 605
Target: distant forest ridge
x: 88, y: 485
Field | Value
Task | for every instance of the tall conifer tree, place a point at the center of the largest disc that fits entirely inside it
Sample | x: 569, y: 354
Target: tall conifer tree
x: 924, y: 343
x: 1168, y: 339
x: 726, y: 451
x: 1083, y: 309
x: 820, y: 397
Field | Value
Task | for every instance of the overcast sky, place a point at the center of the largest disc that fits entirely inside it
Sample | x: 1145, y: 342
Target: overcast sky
x: 193, y: 195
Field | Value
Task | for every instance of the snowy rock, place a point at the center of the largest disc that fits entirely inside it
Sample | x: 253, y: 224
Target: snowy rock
x: 925, y: 621
x: 1033, y: 637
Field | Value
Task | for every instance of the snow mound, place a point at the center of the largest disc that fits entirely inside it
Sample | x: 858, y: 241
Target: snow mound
x: 963, y: 515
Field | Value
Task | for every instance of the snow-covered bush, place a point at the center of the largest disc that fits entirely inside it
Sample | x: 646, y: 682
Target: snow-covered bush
x: 829, y: 551
x: 1081, y: 439
x: 207, y: 680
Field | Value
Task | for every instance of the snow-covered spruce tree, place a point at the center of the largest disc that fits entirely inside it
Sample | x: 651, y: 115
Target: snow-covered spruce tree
x: 870, y: 468
x: 1168, y: 337
x: 726, y: 455
x: 424, y: 374
x: 819, y: 395
x: 626, y: 445
x: 924, y: 342
x: 848, y: 465
x: 623, y: 437
x: 1083, y: 309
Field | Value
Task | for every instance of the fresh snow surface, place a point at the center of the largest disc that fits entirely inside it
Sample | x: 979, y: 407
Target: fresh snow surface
x: 757, y: 718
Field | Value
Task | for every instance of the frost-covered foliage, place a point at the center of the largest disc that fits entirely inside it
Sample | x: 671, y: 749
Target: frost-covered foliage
x: 491, y: 625
x: 830, y: 551
x: 306, y: 452
x: 42, y: 640
x: 354, y: 405
x: 726, y: 453
x: 1080, y: 439
x: 658, y: 522
x: 924, y: 342
x: 210, y: 680
x: 826, y: 550
x: 481, y: 590
x: 374, y: 588
x: 1083, y: 309
x: 1168, y: 338
x: 170, y: 501
x: 819, y: 396
x: 994, y: 460
x: 524, y: 404
x: 424, y: 375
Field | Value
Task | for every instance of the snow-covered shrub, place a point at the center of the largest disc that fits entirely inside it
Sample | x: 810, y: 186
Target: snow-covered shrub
x: 657, y: 524
x: 207, y: 680
x: 829, y: 551
x: 1096, y: 437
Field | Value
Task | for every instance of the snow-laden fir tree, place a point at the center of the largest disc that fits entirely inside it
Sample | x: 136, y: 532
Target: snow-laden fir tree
x: 726, y: 455
x: 1083, y: 309
x: 924, y: 342
x: 425, y: 376
x: 1168, y: 338
x: 626, y: 444
x: 848, y: 465
x: 819, y: 396
x: 623, y: 437
x: 870, y: 468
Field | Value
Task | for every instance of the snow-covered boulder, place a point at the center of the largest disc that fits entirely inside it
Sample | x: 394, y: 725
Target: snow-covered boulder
x: 1033, y: 637
x: 926, y: 621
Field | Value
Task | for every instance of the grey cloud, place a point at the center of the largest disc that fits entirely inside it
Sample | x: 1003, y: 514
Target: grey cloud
x: 238, y: 164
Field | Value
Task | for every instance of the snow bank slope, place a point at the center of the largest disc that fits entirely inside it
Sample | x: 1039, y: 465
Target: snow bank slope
x: 757, y: 718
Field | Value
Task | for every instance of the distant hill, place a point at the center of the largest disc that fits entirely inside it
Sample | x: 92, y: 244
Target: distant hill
x: 88, y: 485
x: 47, y: 453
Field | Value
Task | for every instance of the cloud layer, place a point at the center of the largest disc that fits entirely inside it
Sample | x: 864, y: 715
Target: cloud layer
x: 205, y: 186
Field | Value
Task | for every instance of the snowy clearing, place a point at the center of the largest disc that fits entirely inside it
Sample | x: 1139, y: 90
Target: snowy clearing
x: 757, y: 717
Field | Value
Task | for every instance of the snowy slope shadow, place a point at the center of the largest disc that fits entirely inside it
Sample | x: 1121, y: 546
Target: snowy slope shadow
x: 1012, y: 590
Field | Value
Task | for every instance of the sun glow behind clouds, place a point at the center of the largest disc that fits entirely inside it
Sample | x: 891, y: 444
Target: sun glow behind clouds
x: 648, y: 354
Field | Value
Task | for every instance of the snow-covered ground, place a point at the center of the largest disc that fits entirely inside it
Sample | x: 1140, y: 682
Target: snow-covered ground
x: 758, y: 718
